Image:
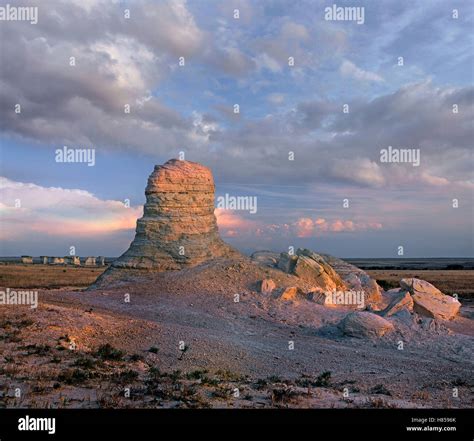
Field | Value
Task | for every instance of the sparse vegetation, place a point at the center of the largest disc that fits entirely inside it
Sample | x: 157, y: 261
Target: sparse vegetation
x: 108, y: 352
x: 283, y: 395
x: 324, y: 379
x: 380, y: 389
x: 49, y: 277
x: 85, y: 363
x: 40, y: 350
x: 73, y: 376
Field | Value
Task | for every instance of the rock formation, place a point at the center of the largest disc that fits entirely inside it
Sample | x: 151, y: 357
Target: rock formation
x: 267, y: 286
x: 90, y: 261
x: 365, y: 325
x: 429, y: 300
x: 292, y: 293
x: 326, y: 274
x: 314, y: 269
x: 178, y: 227
x: 402, y: 300
x: 356, y: 279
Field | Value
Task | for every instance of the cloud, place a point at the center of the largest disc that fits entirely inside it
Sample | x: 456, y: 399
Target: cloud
x: 349, y: 69
x: 28, y: 210
x: 307, y: 227
x: 276, y: 98
x: 232, y: 224
x: 231, y: 61
x: 360, y: 170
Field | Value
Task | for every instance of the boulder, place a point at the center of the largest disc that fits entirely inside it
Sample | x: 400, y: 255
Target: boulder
x: 267, y: 286
x: 267, y: 258
x: 314, y: 269
x: 292, y: 293
x: 399, y: 301
x: 356, y: 280
x: 287, y: 262
x: 363, y: 324
x: 178, y: 227
x: 321, y: 297
x: 429, y: 301
x: 90, y: 261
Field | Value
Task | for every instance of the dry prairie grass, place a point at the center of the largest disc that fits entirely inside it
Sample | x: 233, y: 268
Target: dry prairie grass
x: 47, y: 276
x: 448, y: 281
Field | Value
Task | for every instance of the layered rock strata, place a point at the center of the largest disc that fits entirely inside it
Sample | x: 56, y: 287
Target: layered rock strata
x: 178, y: 227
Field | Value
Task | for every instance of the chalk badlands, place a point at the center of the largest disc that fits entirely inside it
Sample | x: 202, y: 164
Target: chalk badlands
x: 178, y: 227
x: 178, y: 230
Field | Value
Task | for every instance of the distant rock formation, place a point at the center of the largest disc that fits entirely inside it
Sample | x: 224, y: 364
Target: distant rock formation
x: 72, y: 260
x: 178, y: 227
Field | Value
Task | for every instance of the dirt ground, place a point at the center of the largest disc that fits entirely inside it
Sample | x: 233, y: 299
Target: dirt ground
x: 204, y: 337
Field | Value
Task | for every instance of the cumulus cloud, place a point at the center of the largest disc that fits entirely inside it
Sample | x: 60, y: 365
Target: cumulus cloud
x: 124, y: 61
x: 307, y: 227
x: 135, y: 61
x: 360, y: 170
x: 349, y: 69
x: 29, y: 209
x: 232, y: 224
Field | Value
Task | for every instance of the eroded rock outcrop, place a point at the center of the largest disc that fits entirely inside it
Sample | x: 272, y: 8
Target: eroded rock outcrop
x: 357, y: 280
x: 401, y: 300
x: 365, y: 325
x: 429, y: 300
x: 328, y: 275
x: 178, y: 227
x: 267, y: 286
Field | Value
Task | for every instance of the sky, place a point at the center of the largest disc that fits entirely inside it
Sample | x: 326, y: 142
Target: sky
x: 319, y: 100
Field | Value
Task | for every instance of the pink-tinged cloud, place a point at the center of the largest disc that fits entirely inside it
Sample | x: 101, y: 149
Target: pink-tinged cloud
x: 232, y: 224
x: 29, y: 209
x: 307, y: 227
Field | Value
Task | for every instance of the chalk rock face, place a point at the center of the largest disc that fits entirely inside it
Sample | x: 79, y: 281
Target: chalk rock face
x: 321, y: 297
x: 314, y: 269
x: 267, y: 286
x: 401, y: 300
x: 178, y: 227
x: 267, y: 258
x: 292, y: 293
x: 287, y: 263
x: 429, y: 300
x: 356, y: 279
x: 365, y: 325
